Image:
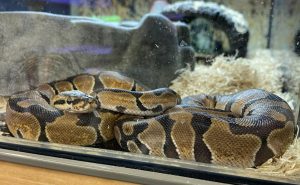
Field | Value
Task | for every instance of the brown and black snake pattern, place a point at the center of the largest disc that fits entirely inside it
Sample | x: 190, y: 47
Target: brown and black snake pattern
x: 242, y: 130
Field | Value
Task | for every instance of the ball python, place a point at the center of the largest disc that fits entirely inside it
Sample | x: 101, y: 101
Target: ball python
x: 244, y: 129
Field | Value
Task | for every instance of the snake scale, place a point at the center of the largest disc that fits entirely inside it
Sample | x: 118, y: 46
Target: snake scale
x: 244, y: 129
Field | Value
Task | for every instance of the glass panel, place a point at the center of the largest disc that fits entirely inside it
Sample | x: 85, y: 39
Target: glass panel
x: 131, y: 69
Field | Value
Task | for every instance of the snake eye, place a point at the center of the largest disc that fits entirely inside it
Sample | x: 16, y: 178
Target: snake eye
x: 69, y: 101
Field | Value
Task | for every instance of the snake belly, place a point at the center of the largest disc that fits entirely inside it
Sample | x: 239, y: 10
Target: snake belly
x: 243, y: 129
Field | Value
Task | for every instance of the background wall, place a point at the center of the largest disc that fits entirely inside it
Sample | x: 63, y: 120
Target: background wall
x: 275, y: 28
x: 273, y: 23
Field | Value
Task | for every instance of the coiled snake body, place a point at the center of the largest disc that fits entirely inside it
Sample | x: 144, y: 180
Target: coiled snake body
x: 243, y: 129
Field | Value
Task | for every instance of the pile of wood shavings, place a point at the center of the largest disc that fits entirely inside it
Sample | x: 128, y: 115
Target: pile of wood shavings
x: 227, y: 75
x: 287, y: 166
x: 264, y: 69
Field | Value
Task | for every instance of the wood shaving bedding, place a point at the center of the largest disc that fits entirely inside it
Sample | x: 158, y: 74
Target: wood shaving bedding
x: 271, y: 70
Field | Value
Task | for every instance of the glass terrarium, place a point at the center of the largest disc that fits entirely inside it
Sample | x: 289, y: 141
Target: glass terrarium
x: 76, y: 75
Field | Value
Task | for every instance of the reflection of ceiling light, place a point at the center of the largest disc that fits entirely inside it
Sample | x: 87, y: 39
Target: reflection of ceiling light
x: 158, y: 6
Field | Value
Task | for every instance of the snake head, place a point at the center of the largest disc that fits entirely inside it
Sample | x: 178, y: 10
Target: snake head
x: 74, y: 102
